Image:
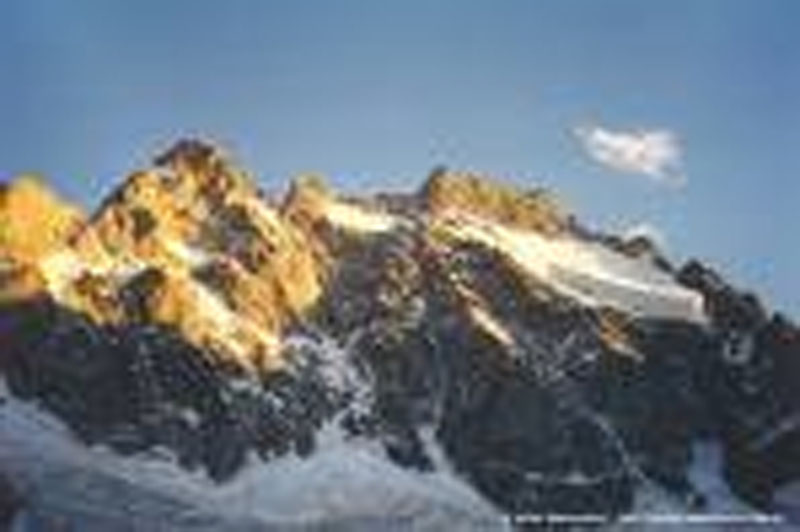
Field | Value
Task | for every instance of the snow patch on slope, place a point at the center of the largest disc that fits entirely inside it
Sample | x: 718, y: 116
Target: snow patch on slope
x: 705, y: 473
x: 588, y: 272
x: 490, y: 325
x: 656, y: 510
x: 60, y: 269
x: 189, y: 255
x: 211, y: 306
x: 335, y: 365
x: 227, y: 325
x: 358, y: 219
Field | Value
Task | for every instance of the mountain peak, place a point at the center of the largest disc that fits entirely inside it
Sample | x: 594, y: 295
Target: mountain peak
x: 196, y: 155
x: 236, y: 271
x: 468, y: 192
x: 231, y: 271
x: 552, y: 364
x: 304, y: 200
x: 191, y: 170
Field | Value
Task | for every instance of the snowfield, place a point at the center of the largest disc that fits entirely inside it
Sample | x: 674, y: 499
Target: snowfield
x: 587, y: 272
x: 345, y: 485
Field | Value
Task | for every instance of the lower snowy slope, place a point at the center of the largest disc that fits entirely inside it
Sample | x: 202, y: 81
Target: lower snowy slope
x: 344, y: 485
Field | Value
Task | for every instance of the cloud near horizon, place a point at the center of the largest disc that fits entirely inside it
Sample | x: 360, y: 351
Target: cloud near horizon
x: 655, y: 154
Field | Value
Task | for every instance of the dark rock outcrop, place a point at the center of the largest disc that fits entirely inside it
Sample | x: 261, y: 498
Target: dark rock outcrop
x: 11, y: 503
x: 751, y: 387
x: 135, y: 387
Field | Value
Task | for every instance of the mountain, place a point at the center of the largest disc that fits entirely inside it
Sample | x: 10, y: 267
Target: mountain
x: 195, y: 355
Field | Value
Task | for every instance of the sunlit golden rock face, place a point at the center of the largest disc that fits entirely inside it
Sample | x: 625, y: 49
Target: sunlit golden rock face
x: 472, y: 194
x: 191, y: 244
x: 33, y: 220
x: 192, y: 238
x: 203, y: 317
x: 19, y: 282
x: 34, y: 224
x: 201, y: 223
x: 305, y: 202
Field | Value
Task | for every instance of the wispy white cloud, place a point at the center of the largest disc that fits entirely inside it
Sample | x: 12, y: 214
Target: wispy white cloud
x: 654, y: 153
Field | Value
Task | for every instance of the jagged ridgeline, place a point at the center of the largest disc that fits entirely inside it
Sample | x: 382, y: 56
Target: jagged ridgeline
x: 553, y: 368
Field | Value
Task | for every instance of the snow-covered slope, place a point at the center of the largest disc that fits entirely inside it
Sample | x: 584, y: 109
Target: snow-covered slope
x: 345, y: 485
x: 358, y: 219
x: 588, y: 272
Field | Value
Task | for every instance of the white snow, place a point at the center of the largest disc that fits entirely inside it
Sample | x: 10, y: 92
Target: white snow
x: 655, y: 509
x: 435, y: 452
x: 227, y: 324
x: 336, y: 367
x: 347, y: 478
x: 588, y: 272
x: 705, y: 473
x: 127, y: 268
x: 60, y: 269
x: 190, y: 255
x: 213, y: 307
x: 358, y: 219
x: 65, y: 266
x: 343, y: 482
x: 490, y: 325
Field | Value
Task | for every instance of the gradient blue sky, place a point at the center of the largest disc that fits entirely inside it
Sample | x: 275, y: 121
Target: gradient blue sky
x: 375, y: 93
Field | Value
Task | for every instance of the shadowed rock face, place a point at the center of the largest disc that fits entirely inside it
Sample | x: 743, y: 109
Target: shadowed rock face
x: 11, y: 503
x: 192, y: 314
x: 752, y: 385
x: 136, y: 387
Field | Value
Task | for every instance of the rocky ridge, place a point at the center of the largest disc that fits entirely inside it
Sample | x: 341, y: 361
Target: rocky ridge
x: 558, y: 371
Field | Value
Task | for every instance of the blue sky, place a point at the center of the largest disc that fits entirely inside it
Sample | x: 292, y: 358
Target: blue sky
x: 374, y: 94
